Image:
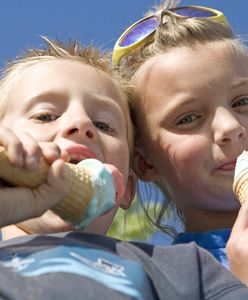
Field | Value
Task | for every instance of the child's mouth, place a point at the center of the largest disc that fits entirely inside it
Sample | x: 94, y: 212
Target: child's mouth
x: 74, y: 161
x: 228, y: 166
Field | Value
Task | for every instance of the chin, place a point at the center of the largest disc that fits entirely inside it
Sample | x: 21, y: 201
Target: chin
x: 227, y: 206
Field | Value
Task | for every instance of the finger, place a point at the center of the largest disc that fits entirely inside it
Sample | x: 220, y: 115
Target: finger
x: 65, y: 156
x: 56, y: 178
x: 55, y: 189
x: 13, y: 145
x: 50, y: 151
x: 32, y: 151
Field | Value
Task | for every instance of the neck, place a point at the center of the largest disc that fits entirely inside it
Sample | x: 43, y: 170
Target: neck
x: 200, y: 220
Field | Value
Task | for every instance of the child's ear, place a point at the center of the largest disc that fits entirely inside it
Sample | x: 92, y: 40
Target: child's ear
x: 130, y: 191
x: 143, y: 168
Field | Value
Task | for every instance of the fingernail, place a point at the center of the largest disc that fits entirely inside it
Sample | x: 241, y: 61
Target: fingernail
x: 19, y: 160
x: 31, y: 163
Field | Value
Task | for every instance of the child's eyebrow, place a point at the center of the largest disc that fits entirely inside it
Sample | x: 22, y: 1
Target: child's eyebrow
x: 99, y: 99
x: 178, y: 102
x: 107, y: 100
x: 240, y: 82
x: 44, y: 96
x: 58, y: 95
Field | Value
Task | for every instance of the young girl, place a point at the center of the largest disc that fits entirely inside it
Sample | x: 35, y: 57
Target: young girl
x: 60, y: 102
x: 65, y: 98
x: 188, y: 83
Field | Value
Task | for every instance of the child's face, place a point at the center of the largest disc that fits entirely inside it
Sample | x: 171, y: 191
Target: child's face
x: 196, y: 105
x: 73, y: 105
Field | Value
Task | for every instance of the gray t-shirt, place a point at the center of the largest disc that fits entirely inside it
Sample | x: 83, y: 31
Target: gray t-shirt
x: 77, y: 265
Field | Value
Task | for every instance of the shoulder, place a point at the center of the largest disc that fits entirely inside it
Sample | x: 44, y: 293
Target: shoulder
x: 188, y: 270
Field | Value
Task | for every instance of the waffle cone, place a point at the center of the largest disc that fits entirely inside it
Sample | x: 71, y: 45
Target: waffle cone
x: 240, y: 186
x: 78, y: 180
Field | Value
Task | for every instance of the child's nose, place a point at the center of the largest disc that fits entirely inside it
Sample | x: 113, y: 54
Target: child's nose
x: 80, y: 126
x: 227, y: 128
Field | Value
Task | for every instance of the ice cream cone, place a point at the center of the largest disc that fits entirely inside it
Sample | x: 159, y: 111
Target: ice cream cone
x: 240, y: 184
x: 83, y: 186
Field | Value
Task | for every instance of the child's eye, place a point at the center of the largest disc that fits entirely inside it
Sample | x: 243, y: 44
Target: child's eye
x: 187, y: 119
x: 240, y: 102
x: 103, y: 126
x: 46, y: 118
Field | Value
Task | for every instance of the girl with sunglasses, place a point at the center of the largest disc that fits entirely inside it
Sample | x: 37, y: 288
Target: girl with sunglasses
x: 187, y: 78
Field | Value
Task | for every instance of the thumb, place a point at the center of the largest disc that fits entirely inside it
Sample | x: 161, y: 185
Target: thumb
x: 55, y: 188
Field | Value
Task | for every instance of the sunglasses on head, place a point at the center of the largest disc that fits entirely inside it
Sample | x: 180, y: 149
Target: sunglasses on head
x: 142, y: 30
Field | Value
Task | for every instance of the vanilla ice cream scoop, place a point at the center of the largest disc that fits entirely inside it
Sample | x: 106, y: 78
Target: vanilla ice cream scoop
x: 92, y: 189
x: 240, y: 183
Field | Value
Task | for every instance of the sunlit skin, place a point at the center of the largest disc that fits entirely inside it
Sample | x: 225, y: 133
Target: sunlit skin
x: 80, y: 111
x: 195, y: 101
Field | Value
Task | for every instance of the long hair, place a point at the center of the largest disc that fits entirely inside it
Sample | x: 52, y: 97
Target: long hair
x: 172, y: 33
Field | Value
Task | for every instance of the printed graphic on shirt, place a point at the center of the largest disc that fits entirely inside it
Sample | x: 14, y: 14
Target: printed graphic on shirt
x: 108, y: 269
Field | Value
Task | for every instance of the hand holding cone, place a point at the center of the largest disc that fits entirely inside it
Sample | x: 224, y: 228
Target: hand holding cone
x: 89, y: 181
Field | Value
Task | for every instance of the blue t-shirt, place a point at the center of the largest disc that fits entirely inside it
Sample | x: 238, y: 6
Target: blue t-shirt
x: 213, y: 241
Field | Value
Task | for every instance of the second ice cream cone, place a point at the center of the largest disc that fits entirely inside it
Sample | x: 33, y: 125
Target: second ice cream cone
x: 240, y: 184
x: 241, y: 188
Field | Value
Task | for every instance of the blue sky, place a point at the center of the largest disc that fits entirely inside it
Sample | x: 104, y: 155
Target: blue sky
x: 91, y: 21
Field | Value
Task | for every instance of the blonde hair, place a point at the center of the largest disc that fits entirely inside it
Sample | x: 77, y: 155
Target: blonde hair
x: 172, y: 33
x: 69, y: 51
x: 162, y: 5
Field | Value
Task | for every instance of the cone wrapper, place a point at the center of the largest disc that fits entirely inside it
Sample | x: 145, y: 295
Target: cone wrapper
x: 91, y: 187
x: 240, y: 184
